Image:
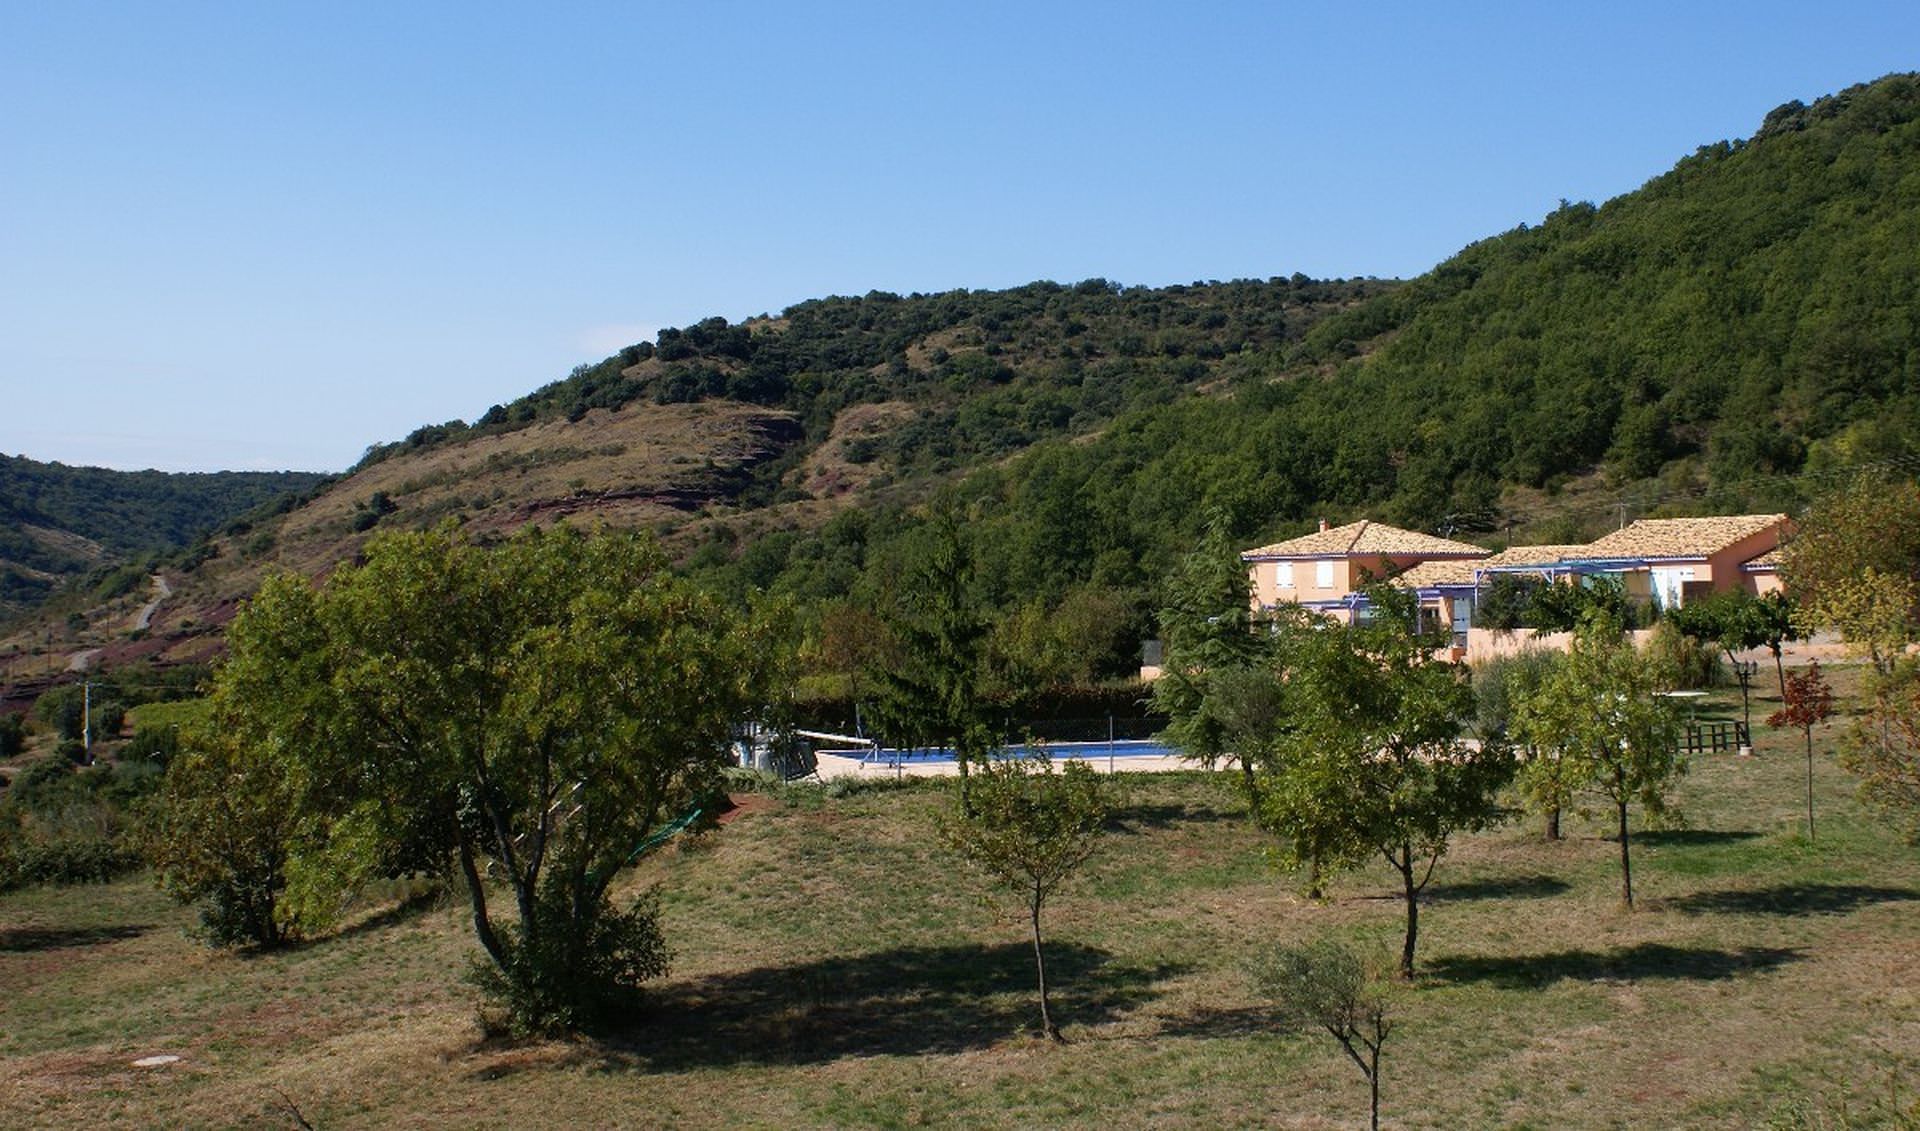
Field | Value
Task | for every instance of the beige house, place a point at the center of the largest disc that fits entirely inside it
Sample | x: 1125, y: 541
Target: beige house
x: 1667, y: 560
x: 1661, y: 561
x: 1763, y: 574
x: 1448, y: 591
x: 1324, y: 570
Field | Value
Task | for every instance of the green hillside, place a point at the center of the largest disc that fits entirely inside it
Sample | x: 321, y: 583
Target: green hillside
x: 979, y: 373
x: 1730, y: 336
x: 1744, y: 318
x: 59, y: 522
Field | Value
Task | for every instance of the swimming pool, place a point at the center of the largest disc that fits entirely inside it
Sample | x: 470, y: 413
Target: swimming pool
x: 1058, y: 751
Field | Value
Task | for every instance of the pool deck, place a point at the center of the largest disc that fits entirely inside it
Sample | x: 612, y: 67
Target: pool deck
x: 839, y: 766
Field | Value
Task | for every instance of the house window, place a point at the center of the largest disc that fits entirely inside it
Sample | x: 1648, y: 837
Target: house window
x: 1283, y: 575
x: 1323, y: 574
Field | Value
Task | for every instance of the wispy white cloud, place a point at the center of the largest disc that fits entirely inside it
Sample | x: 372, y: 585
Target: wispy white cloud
x: 600, y: 341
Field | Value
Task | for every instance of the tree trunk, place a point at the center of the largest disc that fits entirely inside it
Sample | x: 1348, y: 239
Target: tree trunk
x: 1373, y: 1078
x: 1809, y: 733
x: 1040, y: 967
x: 1780, y: 670
x: 477, y: 893
x: 1553, y: 823
x: 960, y: 755
x: 1404, y: 863
x: 1626, y: 862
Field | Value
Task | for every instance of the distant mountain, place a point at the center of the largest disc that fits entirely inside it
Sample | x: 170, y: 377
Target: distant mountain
x: 1727, y: 337
x: 60, y: 523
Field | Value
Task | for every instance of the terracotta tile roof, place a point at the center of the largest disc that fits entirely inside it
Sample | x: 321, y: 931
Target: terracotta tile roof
x: 1363, y: 537
x: 1681, y: 537
x: 1456, y: 572
x: 1769, y: 560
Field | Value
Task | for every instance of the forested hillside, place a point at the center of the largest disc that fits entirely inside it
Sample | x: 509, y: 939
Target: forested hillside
x: 1745, y: 317
x: 1718, y: 340
x: 953, y: 378
x: 59, y: 522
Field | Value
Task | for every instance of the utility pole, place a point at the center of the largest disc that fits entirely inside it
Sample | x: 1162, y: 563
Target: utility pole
x: 86, y: 718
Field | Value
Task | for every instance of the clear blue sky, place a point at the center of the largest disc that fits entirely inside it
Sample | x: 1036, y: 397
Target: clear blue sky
x: 267, y: 235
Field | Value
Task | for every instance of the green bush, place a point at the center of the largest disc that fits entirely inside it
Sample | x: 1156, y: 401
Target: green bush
x: 69, y: 860
x: 572, y: 974
x: 13, y: 736
x: 1685, y: 664
x: 63, y: 709
x: 155, y: 744
x: 64, y: 825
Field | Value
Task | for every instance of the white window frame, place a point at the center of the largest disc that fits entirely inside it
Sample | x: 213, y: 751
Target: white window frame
x: 1283, y: 575
x: 1323, y: 574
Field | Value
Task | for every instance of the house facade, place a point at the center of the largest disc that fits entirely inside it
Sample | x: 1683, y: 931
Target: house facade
x: 1663, y: 562
x: 1326, y: 569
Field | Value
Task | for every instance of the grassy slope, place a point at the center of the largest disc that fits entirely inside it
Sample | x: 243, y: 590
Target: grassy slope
x: 832, y: 971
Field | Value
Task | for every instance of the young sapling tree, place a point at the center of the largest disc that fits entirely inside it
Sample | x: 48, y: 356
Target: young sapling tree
x: 1808, y: 703
x: 1030, y: 828
x: 1327, y: 985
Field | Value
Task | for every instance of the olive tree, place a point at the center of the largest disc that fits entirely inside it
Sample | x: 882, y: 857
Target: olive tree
x: 529, y: 713
x: 1326, y: 985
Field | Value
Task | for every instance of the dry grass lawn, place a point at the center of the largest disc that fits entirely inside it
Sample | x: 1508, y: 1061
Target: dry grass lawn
x: 836, y: 968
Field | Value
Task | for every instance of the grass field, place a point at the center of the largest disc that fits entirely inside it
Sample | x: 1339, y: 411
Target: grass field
x: 836, y: 968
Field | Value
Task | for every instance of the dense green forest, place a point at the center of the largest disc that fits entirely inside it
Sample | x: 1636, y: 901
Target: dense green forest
x: 90, y: 518
x: 1702, y: 343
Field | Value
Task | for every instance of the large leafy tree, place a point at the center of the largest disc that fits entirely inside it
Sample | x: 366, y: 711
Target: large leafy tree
x: 1377, y: 759
x: 1855, y: 564
x: 1736, y: 620
x: 1883, y: 748
x: 1600, y: 712
x: 530, y: 712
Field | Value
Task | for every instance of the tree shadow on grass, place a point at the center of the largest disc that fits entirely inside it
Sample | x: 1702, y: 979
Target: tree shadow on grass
x: 1133, y: 818
x: 1244, y: 1022
x: 1645, y: 962
x: 904, y: 1001
x: 1500, y: 887
x: 1789, y: 899
x: 28, y: 939
x: 1685, y: 838
x: 409, y: 906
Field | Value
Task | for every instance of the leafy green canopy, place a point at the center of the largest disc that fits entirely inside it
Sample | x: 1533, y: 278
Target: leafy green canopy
x: 534, y: 710
x: 1375, y: 758
x: 1598, y: 722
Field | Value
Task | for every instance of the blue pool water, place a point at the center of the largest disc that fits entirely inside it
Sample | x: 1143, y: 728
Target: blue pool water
x: 1058, y: 751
